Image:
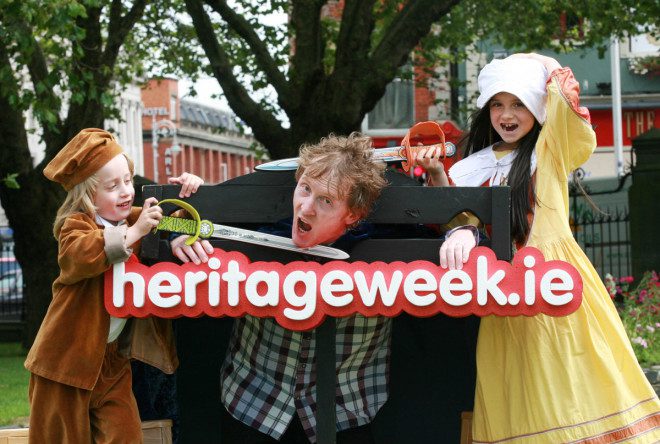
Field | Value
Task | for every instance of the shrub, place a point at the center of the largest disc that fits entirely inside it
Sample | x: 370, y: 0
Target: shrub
x: 639, y: 309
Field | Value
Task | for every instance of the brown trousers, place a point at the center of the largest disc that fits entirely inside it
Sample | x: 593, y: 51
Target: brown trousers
x: 108, y: 413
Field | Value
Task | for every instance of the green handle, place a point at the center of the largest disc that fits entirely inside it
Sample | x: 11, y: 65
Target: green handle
x: 190, y: 227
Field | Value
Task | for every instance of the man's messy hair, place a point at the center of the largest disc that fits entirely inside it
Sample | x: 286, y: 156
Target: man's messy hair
x: 347, y: 163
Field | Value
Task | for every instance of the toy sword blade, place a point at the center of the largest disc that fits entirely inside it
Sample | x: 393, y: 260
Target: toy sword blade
x: 388, y: 155
x: 206, y: 230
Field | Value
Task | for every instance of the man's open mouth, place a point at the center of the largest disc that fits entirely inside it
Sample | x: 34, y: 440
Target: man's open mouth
x: 303, y: 226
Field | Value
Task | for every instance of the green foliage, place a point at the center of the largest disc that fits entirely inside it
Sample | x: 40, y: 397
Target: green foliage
x: 14, y: 381
x: 639, y: 309
x: 11, y: 182
x: 76, y: 49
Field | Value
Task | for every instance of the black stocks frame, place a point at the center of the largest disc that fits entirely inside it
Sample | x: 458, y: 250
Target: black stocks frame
x: 432, y: 374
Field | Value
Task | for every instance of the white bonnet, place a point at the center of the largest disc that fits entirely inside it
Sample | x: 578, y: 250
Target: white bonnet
x: 523, y: 77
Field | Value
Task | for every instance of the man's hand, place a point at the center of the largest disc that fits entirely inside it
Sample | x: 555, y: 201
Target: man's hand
x: 189, y: 183
x: 197, y: 252
x: 455, y: 250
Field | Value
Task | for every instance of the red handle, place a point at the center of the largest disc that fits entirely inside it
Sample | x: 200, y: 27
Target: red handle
x: 415, y: 135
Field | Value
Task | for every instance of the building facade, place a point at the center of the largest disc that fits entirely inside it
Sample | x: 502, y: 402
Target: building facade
x: 181, y: 134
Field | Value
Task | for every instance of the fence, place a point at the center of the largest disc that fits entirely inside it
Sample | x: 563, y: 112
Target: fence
x: 12, y: 304
x: 603, y: 232
x: 605, y: 238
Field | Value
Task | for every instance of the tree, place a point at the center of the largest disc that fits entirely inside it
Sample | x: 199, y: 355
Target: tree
x: 317, y: 74
x: 290, y: 83
x: 50, y: 50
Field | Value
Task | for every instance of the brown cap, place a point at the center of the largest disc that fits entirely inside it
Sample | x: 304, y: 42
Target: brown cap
x: 83, y: 156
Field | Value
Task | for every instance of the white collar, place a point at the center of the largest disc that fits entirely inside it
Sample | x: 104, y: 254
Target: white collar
x: 483, y: 166
x: 107, y: 223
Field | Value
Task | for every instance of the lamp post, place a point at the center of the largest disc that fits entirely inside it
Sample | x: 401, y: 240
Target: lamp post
x: 162, y: 129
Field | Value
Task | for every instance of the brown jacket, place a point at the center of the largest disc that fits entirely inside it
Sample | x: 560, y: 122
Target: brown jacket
x: 71, y: 342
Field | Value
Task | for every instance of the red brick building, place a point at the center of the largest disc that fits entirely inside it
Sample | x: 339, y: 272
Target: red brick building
x: 191, y: 137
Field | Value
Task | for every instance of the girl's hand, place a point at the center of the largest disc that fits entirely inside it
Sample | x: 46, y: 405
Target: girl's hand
x: 455, y: 250
x: 189, y: 183
x: 431, y: 160
x: 148, y: 220
x: 197, y: 252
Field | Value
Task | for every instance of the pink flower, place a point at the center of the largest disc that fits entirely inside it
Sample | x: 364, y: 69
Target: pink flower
x: 642, y: 296
x: 641, y: 341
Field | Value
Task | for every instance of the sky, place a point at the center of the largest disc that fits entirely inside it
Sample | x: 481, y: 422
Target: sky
x: 205, y: 88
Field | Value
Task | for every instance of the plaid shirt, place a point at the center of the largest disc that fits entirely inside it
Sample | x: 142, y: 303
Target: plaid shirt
x: 269, y: 374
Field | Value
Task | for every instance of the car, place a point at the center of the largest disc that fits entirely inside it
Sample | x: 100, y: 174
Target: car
x: 8, y: 263
x: 11, y: 292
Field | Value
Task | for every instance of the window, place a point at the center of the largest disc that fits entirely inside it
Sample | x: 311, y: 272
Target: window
x: 395, y: 110
x: 223, y: 172
x: 173, y: 108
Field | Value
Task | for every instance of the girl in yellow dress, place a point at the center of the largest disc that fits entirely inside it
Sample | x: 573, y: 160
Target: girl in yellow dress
x: 544, y: 379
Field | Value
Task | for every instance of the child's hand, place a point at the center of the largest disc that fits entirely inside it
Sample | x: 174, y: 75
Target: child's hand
x: 431, y: 160
x: 189, y: 183
x: 455, y: 250
x: 197, y: 252
x: 148, y: 220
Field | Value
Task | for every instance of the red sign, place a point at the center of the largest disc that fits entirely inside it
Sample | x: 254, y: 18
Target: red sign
x: 634, y: 122
x: 300, y: 294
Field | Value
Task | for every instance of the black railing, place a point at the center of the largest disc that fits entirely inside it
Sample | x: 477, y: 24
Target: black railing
x: 603, y: 231
x: 605, y: 238
x: 12, y: 304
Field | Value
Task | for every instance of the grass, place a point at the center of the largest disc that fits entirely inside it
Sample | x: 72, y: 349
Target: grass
x: 14, y: 379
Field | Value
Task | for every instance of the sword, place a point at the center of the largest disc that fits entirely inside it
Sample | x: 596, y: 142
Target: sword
x: 197, y: 227
x: 387, y: 155
x: 404, y: 153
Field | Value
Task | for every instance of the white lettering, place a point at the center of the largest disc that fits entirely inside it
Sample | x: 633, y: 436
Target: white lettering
x: 192, y: 279
x: 378, y: 286
x: 487, y: 285
x: 329, y: 288
x: 214, y: 282
x: 447, y: 288
x: 233, y: 276
x: 548, y: 287
x: 272, y: 281
x: 164, y: 282
x: 307, y: 300
x: 119, y: 280
x: 530, y: 280
x: 411, y: 287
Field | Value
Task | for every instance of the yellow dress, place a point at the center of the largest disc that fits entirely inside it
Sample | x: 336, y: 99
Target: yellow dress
x: 548, y: 379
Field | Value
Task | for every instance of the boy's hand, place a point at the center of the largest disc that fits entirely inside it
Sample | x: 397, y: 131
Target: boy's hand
x: 197, y: 252
x: 455, y: 250
x: 148, y: 220
x: 189, y: 183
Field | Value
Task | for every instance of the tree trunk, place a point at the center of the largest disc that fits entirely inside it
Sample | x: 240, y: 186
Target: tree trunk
x: 30, y: 211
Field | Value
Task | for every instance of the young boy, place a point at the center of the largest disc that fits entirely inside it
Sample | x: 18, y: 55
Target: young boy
x: 80, y: 387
